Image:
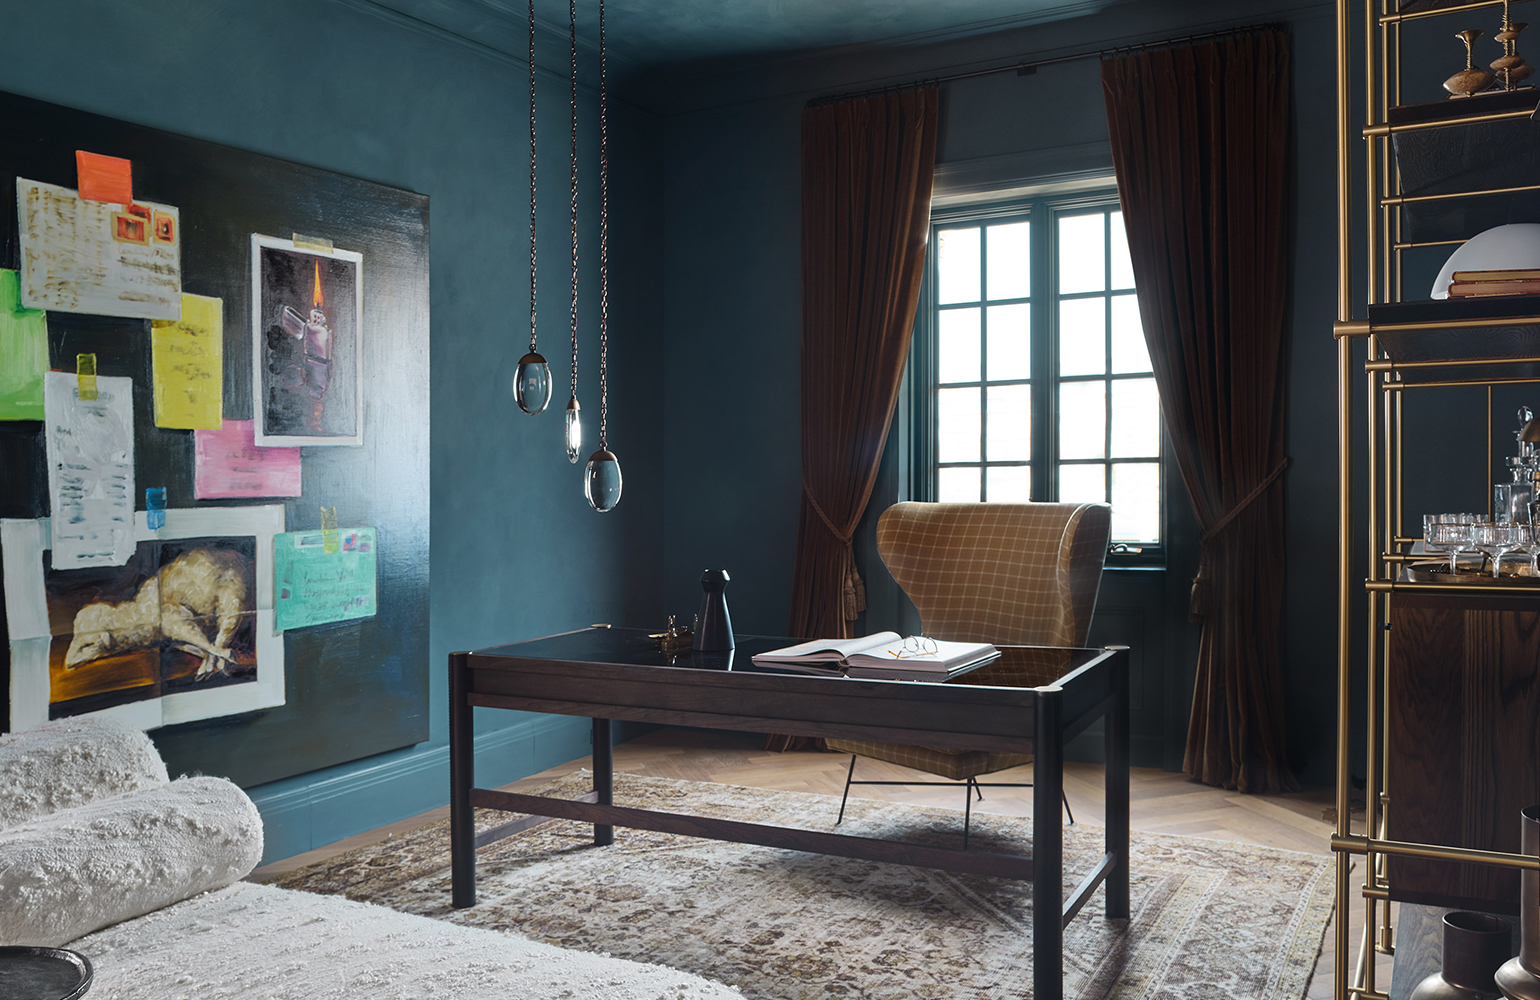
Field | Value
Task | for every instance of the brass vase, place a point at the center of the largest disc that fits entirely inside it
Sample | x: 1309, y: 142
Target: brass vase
x: 1469, y: 80
x: 1519, y: 978
x: 1475, y: 944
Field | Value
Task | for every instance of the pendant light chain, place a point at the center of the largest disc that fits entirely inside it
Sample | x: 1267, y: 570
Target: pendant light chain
x: 572, y: 15
x: 532, y: 176
x: 604, y: 245
x: 602, y: 483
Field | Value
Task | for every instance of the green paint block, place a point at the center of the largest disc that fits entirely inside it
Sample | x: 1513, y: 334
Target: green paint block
x: 23, y: 353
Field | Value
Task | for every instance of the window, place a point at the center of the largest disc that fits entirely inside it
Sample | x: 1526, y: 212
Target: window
x: 1032, y: 377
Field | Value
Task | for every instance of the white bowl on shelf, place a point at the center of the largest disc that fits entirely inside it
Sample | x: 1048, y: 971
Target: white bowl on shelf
x: 1511, y: 246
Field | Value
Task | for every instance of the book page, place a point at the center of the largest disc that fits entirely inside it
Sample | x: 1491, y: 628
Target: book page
x: 829, y: 649
x: 947, y: 654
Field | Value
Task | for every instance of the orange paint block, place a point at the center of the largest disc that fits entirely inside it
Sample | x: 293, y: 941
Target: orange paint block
x: 104, y: 178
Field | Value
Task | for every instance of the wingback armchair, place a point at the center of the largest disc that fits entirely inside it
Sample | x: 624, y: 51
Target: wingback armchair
x: 1008, y: 574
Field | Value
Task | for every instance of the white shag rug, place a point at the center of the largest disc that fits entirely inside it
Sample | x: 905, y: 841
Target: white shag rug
x: 253, y: 941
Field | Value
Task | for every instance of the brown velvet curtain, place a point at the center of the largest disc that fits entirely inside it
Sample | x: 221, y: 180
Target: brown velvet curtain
x: 867, y: 167
x: 1199, y: 140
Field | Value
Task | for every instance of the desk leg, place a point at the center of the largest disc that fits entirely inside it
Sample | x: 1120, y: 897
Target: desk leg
x: 1116, y: 745
x: 1048, y: 849
x: 462, y: 776
x: 604, y: 778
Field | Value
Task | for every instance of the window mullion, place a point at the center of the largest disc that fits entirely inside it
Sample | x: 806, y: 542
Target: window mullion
x: 983, y: 361
x: 1107, y: 342
x: 1044, y: 387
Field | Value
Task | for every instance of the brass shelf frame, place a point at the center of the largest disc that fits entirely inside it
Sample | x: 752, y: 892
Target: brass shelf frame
x: 1382, y: 129
x: 1397, y: 19
x: 1385, y: 383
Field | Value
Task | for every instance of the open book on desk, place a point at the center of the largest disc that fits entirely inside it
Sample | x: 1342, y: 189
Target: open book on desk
x: 881, y: 656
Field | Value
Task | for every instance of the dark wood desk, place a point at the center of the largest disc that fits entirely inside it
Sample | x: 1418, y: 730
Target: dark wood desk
x: 1031, y: 700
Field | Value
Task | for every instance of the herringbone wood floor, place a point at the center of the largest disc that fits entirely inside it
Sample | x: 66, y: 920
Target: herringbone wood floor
x: 1161, y: 802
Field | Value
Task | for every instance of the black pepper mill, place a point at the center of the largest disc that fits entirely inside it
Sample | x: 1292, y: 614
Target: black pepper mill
x: 715, y: 631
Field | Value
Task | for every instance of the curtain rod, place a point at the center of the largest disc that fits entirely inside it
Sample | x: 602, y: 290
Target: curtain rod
x: 1028, y: 68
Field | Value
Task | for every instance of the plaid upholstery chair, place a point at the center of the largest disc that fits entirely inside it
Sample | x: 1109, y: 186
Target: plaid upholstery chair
x: 1009, y: 574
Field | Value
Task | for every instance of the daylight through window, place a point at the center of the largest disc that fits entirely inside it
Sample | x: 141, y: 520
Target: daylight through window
x: 1043, y: 386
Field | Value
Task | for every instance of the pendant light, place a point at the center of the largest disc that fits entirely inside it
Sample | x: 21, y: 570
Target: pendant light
x: 574, y: 429
x: 602, y: 482
x: 532, y: 379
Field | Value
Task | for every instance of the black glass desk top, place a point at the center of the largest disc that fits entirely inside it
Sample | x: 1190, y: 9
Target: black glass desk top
x: 1018, y: 666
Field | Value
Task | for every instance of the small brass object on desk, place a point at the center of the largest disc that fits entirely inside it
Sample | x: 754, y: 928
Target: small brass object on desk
x: 673, y: 639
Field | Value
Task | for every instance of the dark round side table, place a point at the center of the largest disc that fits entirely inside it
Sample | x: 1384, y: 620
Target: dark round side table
x: 28, y: 973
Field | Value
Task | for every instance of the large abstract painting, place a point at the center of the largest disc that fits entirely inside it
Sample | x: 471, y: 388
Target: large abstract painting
x: 203, y: 348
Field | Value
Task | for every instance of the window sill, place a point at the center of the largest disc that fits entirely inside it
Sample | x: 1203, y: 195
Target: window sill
x: 1134, y: 567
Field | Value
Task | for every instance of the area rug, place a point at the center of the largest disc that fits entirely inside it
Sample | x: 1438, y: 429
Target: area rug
x: 1211, y: 920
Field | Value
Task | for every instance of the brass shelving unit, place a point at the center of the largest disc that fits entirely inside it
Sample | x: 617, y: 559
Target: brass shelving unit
x: 1408, y: 347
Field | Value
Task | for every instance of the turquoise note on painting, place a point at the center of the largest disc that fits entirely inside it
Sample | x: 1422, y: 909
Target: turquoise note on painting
x: 315, y: 586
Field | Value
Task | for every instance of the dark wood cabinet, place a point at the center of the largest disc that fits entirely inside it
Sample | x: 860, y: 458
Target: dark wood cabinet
x: 1463, y: 738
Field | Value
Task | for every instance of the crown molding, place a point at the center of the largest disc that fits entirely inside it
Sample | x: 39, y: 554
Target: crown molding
x: 812, y: 73
x: 687, y: 71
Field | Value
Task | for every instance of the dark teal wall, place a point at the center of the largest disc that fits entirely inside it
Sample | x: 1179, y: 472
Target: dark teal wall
x: 705, y: 308
x: 516, y: 552
x: 732, y: 307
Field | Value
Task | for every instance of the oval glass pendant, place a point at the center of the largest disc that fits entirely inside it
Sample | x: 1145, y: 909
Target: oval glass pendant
x: 532, y: 383
x: 574, y: 430
x: 601, y: 482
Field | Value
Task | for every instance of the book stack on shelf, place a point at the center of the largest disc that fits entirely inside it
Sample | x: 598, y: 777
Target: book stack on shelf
x: 1503, y: 281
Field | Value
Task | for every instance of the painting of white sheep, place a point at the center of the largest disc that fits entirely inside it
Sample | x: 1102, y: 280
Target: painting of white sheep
x: 200, y: 588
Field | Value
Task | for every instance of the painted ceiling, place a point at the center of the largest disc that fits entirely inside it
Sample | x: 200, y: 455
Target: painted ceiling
x: 648, y: 33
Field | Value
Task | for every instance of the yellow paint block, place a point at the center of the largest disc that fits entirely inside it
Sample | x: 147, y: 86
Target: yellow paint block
x: 188, y: 364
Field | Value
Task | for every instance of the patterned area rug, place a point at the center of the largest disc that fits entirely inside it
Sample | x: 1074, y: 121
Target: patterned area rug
x: 1211, y: 920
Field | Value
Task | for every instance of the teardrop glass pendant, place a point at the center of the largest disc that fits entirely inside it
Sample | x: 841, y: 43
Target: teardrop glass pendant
x: 574, y: 430
x: 532, y: 383
x: 601, y: 483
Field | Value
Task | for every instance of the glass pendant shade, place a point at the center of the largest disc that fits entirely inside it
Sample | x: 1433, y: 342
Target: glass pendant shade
x: 574, y: 430
x: 532, y: 383
x: 601, y: 483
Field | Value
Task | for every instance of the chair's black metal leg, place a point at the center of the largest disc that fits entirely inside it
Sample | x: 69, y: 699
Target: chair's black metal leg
x: 1067, y: 809
x: 976, y: 788
x: 848, y: 775
x: 967, y: 809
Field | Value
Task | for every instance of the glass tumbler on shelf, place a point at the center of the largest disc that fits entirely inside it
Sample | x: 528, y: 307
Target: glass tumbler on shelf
x: 1510, y: 501
x: 1433, y: 540
x: 1533, y: 548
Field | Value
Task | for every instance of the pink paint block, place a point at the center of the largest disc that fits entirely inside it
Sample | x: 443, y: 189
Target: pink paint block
x: 229, y: 464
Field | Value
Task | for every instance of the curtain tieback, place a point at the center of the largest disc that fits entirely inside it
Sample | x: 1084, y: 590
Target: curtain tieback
x: 1200, y: 605
x: 854, y: 589
x: 1245, y: 501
